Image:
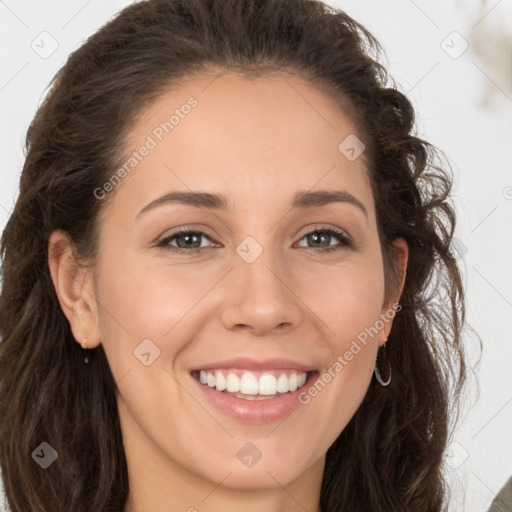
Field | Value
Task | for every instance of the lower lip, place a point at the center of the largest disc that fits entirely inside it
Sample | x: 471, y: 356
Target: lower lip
x: 255, y: 411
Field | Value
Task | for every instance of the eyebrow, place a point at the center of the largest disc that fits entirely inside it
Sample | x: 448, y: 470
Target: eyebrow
x: 301, y: 200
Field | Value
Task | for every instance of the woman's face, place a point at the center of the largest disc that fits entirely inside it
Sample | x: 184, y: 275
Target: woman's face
x: 260, y: 295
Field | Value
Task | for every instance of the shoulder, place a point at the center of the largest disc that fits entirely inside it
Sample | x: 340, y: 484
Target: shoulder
x: 503, y: 500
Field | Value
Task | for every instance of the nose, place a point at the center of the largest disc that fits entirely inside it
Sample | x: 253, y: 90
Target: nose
x: 259, y: 297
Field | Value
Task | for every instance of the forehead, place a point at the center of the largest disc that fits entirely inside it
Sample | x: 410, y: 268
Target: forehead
x: 273, y: 134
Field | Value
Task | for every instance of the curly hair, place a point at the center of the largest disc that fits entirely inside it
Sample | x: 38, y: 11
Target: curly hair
x: 389, y: 458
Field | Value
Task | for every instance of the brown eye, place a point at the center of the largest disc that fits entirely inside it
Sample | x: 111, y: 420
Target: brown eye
x: 186, y: 241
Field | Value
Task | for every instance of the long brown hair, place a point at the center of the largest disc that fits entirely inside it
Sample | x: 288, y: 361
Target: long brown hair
x: 389, y: 457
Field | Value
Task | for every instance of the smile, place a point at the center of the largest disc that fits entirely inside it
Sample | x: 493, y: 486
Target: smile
x: 252, y: 385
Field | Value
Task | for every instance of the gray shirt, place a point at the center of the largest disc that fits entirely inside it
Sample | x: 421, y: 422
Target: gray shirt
x: 503, y: 500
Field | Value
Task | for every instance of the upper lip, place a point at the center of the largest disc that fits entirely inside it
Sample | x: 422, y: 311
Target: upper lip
x: 247, y: 363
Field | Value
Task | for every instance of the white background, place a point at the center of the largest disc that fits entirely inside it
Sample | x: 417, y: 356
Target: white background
x: 464, y: 106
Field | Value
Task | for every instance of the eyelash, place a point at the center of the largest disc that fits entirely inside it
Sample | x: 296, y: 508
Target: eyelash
x: 346, y: 242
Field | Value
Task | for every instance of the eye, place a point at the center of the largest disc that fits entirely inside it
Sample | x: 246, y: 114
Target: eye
x: 187, y: 240
x: 190, y: 241
x: 324, y: 235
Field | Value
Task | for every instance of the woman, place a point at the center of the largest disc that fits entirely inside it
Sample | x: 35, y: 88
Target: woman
x: 228, y: 281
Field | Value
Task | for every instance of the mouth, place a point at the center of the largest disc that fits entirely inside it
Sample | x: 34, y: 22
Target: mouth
x: 254, y: 385
x: 254, y: 391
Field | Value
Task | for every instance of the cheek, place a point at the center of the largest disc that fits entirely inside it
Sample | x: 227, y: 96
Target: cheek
x: 145, y: 301
x: 347, y: 300
x: 346, y: 297
x: 144, y: 310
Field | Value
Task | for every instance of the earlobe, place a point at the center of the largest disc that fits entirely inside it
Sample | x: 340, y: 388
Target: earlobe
x: 74, y: 289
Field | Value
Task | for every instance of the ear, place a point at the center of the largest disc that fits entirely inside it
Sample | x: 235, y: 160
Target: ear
x: 400, y: 253
x: 74, y: 286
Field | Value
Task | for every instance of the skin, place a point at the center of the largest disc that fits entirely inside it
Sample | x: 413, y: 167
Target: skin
x: 258, y: 142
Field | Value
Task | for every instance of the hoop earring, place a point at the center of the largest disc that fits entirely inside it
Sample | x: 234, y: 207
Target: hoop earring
x: 376, y: 371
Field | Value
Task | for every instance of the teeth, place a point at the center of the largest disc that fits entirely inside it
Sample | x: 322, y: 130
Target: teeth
x: 220, y: 381
x: 267, y: 385
x: 233, y: 383
x: 248, y: 384
x: 292, y: 382
x: 282, y: 384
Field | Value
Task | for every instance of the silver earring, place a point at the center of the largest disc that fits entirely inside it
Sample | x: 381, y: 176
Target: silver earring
x: 380, y: 380
x: 83, y: 345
